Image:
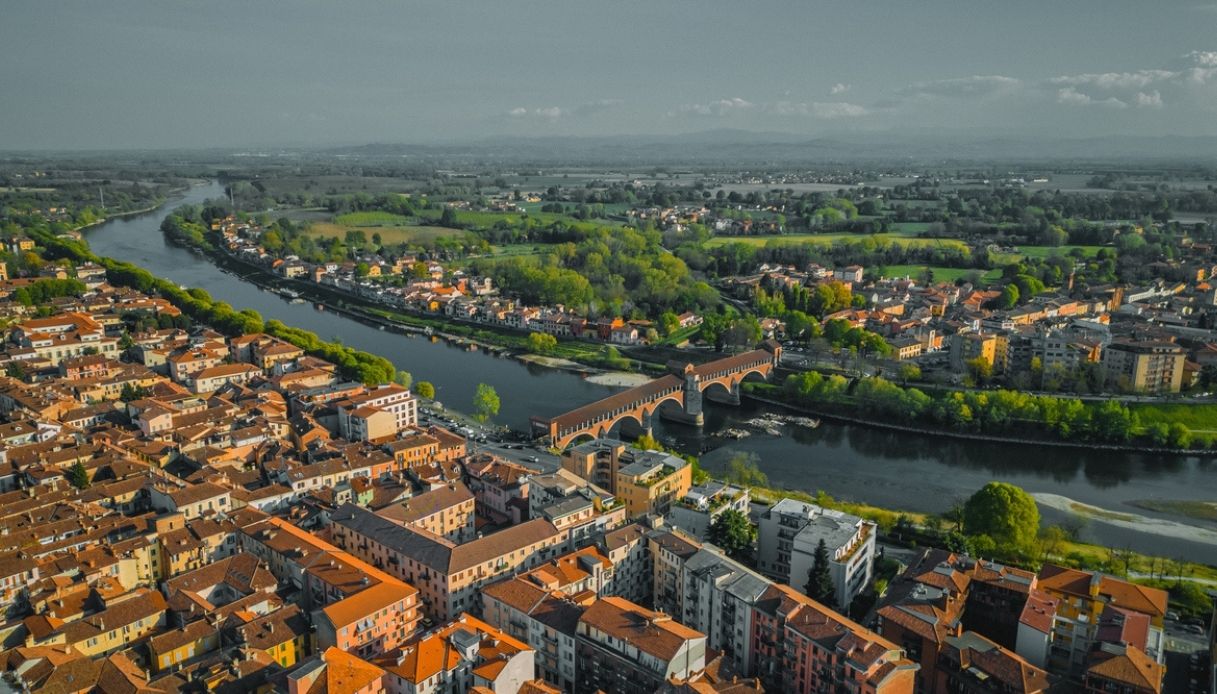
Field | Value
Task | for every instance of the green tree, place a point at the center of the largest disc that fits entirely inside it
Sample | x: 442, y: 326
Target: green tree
x: 1006, y: 514
x: 1009, y: 296
x: 132, y: 392
x: 909, y: 372
x: 980, y: 369
x: 404, y: 379
x: 542, y: 343
x: 819, y: 579
x: 742, y: 469
x: 734, y: 533
x: 669, y: 322
x: 425, y: 389
x: 485, y: 402
x: 78, y: 475
x: 646, y: 442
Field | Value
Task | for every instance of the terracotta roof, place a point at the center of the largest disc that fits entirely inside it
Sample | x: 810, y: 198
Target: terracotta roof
x: 365, y: 602
x: 437, y: 652
x: 651, y: 632
x: 345, y: 673
x: 1039, y: 612
x: 438, y: 553
x: 428, y: 503
x: 1130, y: 596
x: 1132, y: 667
x: 980, y: 658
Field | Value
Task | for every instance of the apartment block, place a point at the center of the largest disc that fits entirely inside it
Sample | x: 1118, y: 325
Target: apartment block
x: 624, y: 647
x: 787, y: 537
x: 447, y: 575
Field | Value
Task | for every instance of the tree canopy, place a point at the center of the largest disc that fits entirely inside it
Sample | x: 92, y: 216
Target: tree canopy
x: 1006, y: 514
x: 734, y: 533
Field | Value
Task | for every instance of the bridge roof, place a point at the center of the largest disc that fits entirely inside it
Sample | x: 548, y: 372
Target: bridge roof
x: 644, y: 392
x: 740, y: 360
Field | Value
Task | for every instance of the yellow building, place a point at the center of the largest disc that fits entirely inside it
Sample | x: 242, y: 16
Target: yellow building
x: 1144, y: 366
x: 284, y: 635
x: 645, y: 481
x: 1082, y: 597
x: 652, y: 482
x: 125, y: 620
x: 968, y: 346
x: 177, y: 646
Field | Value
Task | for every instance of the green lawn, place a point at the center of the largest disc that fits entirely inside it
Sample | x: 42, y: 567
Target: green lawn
x: 898, y: 238
x: 941, y: 274
x: 1199, y: 417
x: 374, y: 218
x: 1041, y: 252
x: 514, y: 249
x: 909, y: 228
x: 486, y: 220
x: 388, y: 234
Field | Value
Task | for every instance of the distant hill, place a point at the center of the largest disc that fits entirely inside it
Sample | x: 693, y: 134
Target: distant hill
x: 743, y: 147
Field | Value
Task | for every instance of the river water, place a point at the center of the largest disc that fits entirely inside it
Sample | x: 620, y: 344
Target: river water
x: 898, y: 470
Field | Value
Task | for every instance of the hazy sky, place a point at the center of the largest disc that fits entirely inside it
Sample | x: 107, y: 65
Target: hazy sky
x: 159, y: 74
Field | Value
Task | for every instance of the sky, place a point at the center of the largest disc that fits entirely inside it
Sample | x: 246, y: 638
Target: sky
x: 161, y: 74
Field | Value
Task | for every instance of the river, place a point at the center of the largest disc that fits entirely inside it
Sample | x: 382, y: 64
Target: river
x: 898, y: 470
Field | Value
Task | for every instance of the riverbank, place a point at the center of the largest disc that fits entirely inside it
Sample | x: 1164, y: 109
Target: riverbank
x: 887, y: 469
x: 836, y: 416
x: 1139, y: 567
x: 579, y: 357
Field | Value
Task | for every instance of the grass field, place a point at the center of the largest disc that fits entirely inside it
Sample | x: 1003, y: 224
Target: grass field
x: 515, y: 249
x: 1041, y: 252
x: 389, y: 235
x: 1199, y: 417
x: 486, y: 220
x: 909, y: 228
x: 374, y: 218
x: 941, y: 274
x: 900, y: 238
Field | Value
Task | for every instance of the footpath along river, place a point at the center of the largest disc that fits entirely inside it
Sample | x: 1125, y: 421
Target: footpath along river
x: 892, y: 469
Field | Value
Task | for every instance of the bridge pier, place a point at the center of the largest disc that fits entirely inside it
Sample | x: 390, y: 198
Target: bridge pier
x: 630, y: 428
x: 732, y: 396
x: 691, y: 413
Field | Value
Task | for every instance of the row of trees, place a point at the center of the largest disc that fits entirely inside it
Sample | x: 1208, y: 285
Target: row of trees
x: 997, y: 412
x: 199, y: 306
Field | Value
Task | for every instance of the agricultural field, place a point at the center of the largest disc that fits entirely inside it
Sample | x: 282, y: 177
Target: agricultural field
x: 486, y: 220
x: 1042, y: 252
x: 941, y: 274
x: 518, y: 249
x: 388, y: 234
x: 899, y: 238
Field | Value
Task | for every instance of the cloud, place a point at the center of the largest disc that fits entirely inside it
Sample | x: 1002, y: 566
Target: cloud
x: 839, y: 88
x: 722, y: 107
x: 831, y: 110
x: 963, y: 87
x: 1150, y: 88
x: 1114, y: 80
x: 553, y: 113
x: 1072, y: 97
x: 1149, y: 100
x: 544, y: 112
x: 737, y: 106
x: 593, y: 107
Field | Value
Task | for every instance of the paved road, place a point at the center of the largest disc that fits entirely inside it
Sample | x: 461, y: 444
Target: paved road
x: 540, y: 460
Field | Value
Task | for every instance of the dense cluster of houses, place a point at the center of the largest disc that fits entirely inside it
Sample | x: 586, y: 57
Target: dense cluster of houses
x: 1150, y: 339
x: 428, y: 287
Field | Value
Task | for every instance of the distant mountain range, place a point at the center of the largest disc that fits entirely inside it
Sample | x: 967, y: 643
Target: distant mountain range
x: 744, y: 147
